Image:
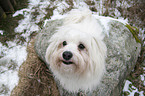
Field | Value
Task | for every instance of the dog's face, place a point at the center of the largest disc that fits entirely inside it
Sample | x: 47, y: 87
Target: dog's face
x: 71, y: 54
x: 76, y: 56
x: 76, y: 52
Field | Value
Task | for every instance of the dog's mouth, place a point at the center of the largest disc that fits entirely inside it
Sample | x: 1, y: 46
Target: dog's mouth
x: 67, y: 62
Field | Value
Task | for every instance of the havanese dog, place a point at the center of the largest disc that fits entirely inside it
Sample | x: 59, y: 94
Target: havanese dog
x: 76, y: 53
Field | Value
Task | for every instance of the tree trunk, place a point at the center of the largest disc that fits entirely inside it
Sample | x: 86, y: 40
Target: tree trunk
x: 13, y: 2
x: 2, y: 13
x: 7, y: 6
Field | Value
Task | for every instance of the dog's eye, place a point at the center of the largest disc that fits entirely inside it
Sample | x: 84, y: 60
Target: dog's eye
x: 64, y: 43
x: 81, y: 46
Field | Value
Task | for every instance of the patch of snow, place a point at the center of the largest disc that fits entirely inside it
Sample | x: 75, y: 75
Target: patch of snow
x: 1, y: 32
x: 9, y: 79
x: 143, y: 76
x: 29, y: 24
x: 117, y: 13
x: 123, y: 3
x: 14, y: 56
x: 126, y: 86
x: 56, y: 15
x: 62, y: 6
x: 34, y: 2
x: 80, y: 4
x: 45, y: 22
x: 131, y: 89
x: 20, y: 12
x: 2, y: 50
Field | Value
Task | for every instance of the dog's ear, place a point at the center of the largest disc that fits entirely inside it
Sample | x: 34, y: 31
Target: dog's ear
x: 101, y: 46
x: 52, y: 47
x: 97, y: 53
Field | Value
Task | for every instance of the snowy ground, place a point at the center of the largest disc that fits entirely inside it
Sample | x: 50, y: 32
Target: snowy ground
x: 13, y: 55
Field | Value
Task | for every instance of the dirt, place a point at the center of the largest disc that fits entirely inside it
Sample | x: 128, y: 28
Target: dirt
x: 35, y: 78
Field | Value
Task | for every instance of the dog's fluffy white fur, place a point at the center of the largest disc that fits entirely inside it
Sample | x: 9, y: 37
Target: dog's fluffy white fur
x: 80, y: 34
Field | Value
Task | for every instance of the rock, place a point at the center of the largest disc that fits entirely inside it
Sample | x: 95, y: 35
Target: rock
x: 41, y: 42
x: 122, y: 54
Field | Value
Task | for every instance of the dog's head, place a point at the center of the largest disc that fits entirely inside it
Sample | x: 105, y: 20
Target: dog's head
x: 68, y: 52
x: 76, y: 53
x: 72, y: 52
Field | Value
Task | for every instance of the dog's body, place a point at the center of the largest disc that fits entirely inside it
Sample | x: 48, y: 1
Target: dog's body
x: 76, y: 53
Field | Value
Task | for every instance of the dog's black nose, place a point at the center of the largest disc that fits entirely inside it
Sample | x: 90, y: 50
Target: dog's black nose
x: 67, y: 55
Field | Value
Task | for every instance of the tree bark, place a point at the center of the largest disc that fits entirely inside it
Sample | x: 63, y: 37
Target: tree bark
x: 13, y: 2
x: 7, y: 6
x: 2, y: 13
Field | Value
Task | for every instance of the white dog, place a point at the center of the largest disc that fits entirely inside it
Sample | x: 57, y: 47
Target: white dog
x: 76, y: 54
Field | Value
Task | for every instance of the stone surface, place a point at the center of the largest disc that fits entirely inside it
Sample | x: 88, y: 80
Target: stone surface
x: 122, y: 53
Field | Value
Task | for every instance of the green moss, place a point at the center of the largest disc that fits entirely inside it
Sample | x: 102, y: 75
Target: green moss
x: 3, y: 16
x: 134, y: 32
x: 126, y: 93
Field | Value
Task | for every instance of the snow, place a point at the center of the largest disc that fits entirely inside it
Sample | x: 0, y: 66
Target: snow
x: 132, y: 90
x: 61, y: 6
x: 20, y: 12
x: 15, y: 54
x: 124, y: 3
x: 1, y: 32
x: 9, y: 78
x: 143, y: 76
x: 56, y: 15
x: 28, y: 25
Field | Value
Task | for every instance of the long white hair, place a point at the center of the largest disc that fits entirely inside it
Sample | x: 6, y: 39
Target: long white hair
x: 83, y: 22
